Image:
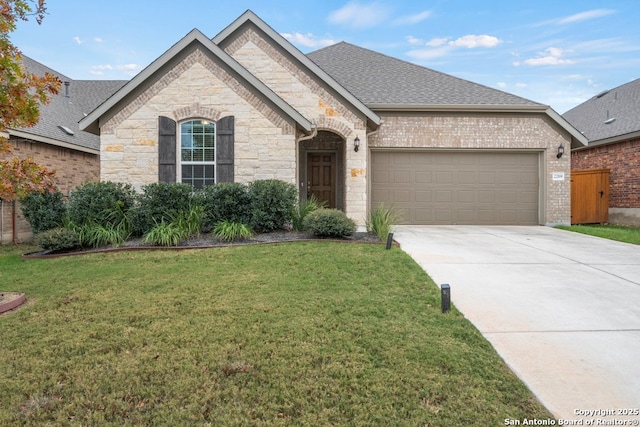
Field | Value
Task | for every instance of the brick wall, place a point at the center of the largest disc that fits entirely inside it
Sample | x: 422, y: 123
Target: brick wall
x: 72, y: 167
x: 623, y: 161
x: 497, y: 131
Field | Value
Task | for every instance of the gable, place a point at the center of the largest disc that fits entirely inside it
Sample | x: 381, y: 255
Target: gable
x: 258, y: 47
x: 167, y: 67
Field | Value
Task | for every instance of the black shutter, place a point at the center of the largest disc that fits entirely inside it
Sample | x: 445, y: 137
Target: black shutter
x: 166, y: 149
x: 224, y: 149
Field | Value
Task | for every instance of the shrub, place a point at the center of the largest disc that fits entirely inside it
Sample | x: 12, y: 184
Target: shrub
x: 94, y: 235
x: 44, y: 211
x: 226, y: 201
x: 104, y: 203
x: 272, y: 202
x: 58, y: 239
x: 303, y: 209
x: 190, y: 221
x: 229, y: 231
x: 159, y: 202
x: 164, y: 234
x: 381, y: 221
x: 329, y: 223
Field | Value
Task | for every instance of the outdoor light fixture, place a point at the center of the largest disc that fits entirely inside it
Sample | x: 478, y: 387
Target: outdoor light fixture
x: 560, y: 151
x: 356, y: 144
x: 445, y: 297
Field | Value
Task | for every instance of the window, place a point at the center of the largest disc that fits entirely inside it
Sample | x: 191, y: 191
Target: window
x: 197, y: 153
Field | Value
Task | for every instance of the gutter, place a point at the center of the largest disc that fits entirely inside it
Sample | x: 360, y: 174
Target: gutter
x: 480, y: 108
x: 610, y: 140
x: 51, y: 141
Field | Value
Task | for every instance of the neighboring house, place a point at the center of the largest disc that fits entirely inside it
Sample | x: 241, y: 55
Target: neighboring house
x: 611, y: 122
x: 57, y: 142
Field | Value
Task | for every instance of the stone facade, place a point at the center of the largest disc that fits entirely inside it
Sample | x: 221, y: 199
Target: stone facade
x: 72, y: 167
x: 266, y: 146
x: 483, y: 131
x: 623, y: 161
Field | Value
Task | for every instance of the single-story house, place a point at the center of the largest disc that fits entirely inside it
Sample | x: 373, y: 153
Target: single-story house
x: 611, y: 122
x: 350, y: 125
x: 57, y: 142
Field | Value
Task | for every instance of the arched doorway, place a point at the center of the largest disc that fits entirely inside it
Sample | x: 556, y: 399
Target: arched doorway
x: 322, y: 170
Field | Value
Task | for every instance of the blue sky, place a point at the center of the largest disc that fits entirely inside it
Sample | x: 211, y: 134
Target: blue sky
x: 558, y: 53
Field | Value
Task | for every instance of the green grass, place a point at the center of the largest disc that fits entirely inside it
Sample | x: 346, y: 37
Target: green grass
x: 612, y: 232
x: 299, y: 334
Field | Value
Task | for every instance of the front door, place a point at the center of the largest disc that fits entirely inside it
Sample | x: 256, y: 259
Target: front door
x: 321, y: 177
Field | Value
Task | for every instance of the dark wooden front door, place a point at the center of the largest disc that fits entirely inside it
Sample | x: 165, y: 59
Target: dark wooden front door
x: 321, y: 177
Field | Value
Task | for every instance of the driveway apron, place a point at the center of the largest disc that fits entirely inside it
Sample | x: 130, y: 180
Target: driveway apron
x: 562, y: 309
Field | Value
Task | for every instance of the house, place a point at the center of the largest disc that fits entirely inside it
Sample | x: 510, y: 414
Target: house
x: 611, y: 122
x: 352, y: 126
x: 57, y: 142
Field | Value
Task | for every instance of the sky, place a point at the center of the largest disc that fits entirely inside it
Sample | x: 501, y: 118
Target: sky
x: 559, y: 53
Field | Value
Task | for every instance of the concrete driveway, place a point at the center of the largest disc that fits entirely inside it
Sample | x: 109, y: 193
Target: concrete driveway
x: 561, y: 308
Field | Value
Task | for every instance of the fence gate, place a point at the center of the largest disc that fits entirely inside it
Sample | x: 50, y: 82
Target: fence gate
x: 590, y: 196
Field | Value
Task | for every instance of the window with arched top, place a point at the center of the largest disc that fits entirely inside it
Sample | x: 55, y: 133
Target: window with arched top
x: 197, y: 142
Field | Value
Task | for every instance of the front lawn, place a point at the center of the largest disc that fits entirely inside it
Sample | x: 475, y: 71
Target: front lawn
x: 304, y: 334
x: 612, y: 232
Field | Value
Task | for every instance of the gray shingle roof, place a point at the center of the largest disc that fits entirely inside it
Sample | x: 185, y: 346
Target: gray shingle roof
x: 621, y: 104
x: 84, y: 96
x: 375, y: 78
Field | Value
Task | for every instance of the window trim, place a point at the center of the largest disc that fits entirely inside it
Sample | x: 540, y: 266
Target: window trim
x: 180, y: 162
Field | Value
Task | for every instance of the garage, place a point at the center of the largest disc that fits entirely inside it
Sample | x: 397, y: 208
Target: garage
x: 458, y: 187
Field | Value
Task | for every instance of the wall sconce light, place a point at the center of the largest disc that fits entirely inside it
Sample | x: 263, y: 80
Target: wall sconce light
x: 560, y: 151
x: 356, y: 144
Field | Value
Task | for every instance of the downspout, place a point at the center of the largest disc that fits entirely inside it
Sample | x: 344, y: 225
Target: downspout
x: 302, y: 189
x: 313, y: 135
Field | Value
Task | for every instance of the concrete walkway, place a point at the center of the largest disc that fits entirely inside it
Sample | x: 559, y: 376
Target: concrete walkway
x: 561, y: 308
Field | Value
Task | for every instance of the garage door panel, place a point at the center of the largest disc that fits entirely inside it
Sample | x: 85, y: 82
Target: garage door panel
x: 423, y: 177
x: 466, y: 196
x: 457, y: 187
x: 423, y: 196
x: 401, y: 177
x: 401, y: 196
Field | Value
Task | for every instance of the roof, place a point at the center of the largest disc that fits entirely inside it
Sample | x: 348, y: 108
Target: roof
x: 66, y: 109
x: 384, y: 83
x: 610, y: 116
x: 91, y: 122
x: 380, y: 80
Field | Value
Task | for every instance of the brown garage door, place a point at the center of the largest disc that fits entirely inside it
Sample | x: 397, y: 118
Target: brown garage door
x: 485, y: 188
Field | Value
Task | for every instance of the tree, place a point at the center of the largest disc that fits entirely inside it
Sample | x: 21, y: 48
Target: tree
x: 21, y: 94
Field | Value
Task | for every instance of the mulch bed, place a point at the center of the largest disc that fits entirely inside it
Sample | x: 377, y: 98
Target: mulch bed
x: 208, y: 241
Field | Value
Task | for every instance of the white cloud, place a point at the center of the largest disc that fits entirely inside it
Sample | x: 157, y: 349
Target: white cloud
x: 501, y: 85
x: 307, y: 40
x: 437, y: 42
x: 413, y: 19
x: 359, y: 16
x: 521, y: 85
x: 414, y: 41
x: 126, y: 69
x: 441, y: 46
x: 77, y: 40
x: 550, y: 56
x: 97, y: 39
x: 429, y: 53
x: 472, y: 41
x: 584, y: 16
